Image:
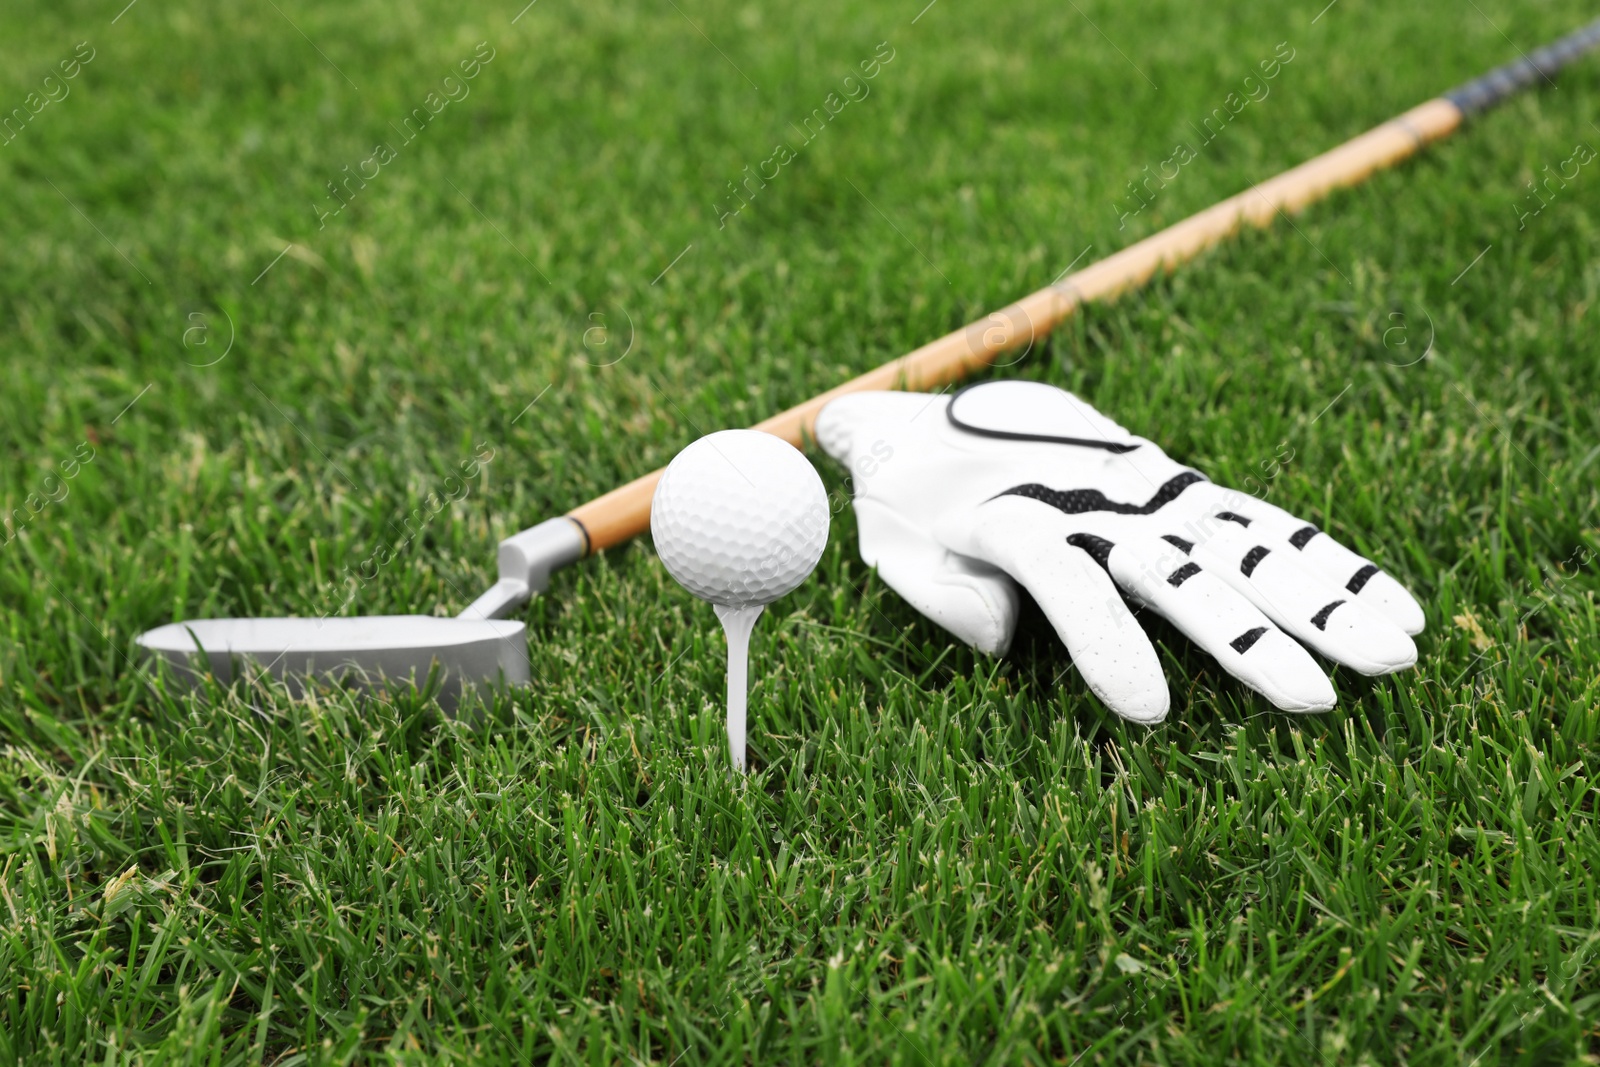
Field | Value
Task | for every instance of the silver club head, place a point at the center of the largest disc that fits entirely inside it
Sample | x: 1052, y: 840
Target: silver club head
x: 359, y: 649
x: 480, y: 646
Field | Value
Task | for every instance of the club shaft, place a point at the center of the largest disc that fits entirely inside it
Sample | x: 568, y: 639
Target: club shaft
x: 624, y: 512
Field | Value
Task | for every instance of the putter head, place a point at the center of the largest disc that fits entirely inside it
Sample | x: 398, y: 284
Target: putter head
x: 361, y: 649
x: 479, y: 646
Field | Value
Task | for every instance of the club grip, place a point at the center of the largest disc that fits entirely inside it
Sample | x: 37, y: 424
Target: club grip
x: 1485, y: 91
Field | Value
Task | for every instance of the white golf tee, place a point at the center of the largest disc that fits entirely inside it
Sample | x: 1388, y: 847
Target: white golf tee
x: 738, y: 621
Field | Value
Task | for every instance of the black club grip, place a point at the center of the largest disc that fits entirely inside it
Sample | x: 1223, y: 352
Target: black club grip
x: 1487, y: 90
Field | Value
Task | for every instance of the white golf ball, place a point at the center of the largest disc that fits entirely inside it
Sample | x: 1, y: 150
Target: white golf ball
x: 740, y: 518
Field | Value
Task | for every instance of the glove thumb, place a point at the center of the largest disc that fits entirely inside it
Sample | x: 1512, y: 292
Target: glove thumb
x: 971, y: 599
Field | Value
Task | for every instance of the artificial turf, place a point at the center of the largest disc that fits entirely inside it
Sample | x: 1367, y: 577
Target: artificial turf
x: 939, y: 858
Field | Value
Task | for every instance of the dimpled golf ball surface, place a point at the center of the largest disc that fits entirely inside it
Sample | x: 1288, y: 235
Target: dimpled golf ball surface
x: 740, y: 518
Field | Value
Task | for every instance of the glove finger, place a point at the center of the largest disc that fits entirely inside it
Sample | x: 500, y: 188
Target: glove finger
x: 1110, y: 649
x: 1358, y: 576
x: 1218, y: 619
x: 1329, y: 559
x: 1302, y: 602
x: 973, y: 601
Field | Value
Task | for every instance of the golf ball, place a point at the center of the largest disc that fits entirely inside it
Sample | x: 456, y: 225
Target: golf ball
x: 740, y: 518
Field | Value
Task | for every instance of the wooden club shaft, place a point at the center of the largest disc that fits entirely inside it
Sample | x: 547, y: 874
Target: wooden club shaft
x: 624, y: 512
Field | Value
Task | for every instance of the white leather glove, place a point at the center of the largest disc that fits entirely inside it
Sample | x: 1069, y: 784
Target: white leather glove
x: 959, y: 497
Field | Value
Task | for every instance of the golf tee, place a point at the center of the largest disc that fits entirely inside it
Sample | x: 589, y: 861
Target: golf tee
x: 737, y: 623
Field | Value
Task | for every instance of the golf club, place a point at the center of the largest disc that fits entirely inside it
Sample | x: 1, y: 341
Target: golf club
x: 482, y: 645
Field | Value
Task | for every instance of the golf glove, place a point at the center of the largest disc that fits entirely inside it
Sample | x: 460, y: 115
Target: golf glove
x: 959, y: 498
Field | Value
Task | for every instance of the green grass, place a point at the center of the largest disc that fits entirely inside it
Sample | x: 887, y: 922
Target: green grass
x: 940, y: 859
